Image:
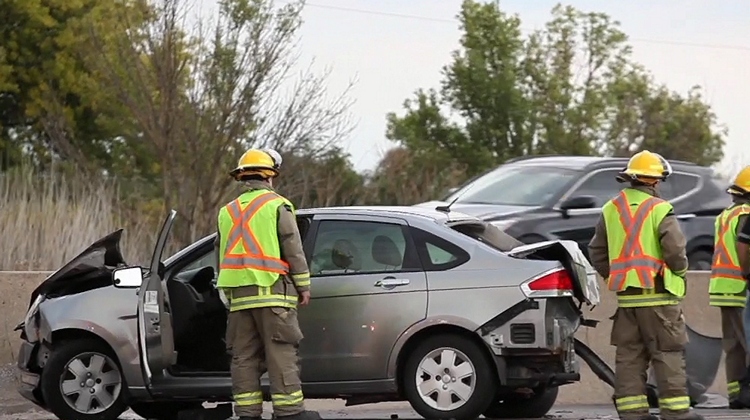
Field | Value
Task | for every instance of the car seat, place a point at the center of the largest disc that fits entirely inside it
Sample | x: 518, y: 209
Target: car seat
x: 344, y: 255
x: 385, y: 251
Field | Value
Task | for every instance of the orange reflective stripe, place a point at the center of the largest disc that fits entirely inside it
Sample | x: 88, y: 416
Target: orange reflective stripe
x: 722, y: 264
x: 631, y: 255
x: 240, y: 233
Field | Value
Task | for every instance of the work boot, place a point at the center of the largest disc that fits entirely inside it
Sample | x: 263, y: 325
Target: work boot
x: 742, y: 400
x: 247, y: 418
x: 304, y: 415
x: 648, y: 417
x: 736, y: 405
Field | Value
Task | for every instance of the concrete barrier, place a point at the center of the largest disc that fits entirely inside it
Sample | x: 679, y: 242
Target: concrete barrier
x: 702, y: 318
x: 15, y: 291
x: 16, y: 287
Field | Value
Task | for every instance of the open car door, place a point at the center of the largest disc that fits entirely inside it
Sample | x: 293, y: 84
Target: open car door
x: 155, y: 334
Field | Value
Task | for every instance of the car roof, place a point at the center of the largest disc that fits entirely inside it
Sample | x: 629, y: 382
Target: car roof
x: 399, y: 211
x: 583, y: 162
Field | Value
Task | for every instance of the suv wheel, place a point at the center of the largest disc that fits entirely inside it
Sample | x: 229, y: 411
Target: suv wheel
x: 519, y: 407
x: 700, y: 261
x: 449, y: 377
x: 82, y: 381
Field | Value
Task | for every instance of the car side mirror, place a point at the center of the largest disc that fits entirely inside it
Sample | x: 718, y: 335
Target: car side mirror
x: 579, y: 202
x: 127, y: 277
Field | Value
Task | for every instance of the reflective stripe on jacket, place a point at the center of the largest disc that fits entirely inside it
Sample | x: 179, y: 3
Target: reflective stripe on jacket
x: 727, y: 287
x: 249, y: 250
x: 632, y: 220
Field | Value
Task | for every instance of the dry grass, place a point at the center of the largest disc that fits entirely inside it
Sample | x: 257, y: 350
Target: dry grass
x: 46, y: 222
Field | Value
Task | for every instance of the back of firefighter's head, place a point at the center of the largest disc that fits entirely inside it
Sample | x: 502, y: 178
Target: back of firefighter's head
x: 645, y: 168
x: 740, y: 188
x: 257, y: 165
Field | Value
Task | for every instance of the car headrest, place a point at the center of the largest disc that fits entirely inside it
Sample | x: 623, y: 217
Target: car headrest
x: 385, y: 251
x: 344, y: 254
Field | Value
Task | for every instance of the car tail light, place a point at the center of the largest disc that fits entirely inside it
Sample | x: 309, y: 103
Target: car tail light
x: 553, y: 283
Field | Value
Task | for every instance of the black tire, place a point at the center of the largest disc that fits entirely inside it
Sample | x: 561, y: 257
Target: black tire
x: 519, y: 407
x: 700, y: 260
x: 83, y: 352
x: 482, y: 378
x: 162, y: 410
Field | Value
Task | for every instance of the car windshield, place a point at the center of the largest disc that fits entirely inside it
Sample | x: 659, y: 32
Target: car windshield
x: 515, y: 185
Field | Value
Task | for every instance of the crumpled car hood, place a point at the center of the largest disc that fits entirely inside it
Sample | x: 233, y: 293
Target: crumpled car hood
x: 98, y: 259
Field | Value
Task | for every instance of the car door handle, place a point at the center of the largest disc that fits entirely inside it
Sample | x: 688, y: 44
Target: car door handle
x: 390, y: 282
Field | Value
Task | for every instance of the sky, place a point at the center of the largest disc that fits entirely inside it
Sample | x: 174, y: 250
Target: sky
x: 393, y: 47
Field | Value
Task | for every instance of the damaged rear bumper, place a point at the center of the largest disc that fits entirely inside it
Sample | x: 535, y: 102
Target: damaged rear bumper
x: 534, y: 343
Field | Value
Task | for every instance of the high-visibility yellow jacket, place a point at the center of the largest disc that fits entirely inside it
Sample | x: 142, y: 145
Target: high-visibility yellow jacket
x: 635, y: 256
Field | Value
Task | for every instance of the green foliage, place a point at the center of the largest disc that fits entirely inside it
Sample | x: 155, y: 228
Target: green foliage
x: 570, y: 88
x: 123, y: 89
x: 48, y: 101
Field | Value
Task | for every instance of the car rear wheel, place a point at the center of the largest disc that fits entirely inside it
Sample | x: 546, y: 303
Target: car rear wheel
x: 518, y: 407
x: 449, y: 376
x: 82, y: 381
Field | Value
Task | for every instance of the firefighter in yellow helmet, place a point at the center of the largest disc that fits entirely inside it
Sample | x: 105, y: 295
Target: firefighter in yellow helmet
x: 639, y: 248
x: 728, y: 288
x: 264, y: 275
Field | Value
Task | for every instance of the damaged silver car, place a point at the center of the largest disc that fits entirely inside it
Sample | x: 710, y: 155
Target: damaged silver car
x: 426, y: 307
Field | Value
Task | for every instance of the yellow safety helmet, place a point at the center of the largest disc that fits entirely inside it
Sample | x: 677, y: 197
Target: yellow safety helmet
x: 646, y: 167
x: 255, y: 162
x: 741, y: 184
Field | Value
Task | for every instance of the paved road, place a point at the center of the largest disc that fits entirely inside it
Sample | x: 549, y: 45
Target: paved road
x: 13, y: 407
x: 401, y: 411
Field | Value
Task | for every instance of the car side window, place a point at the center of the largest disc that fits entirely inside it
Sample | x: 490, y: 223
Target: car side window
x: 358, y: 247
x: 206, y: 260
x: 209, y: 259
x: 602, y: 186
x: 677, y: 185
x: 437, y: 253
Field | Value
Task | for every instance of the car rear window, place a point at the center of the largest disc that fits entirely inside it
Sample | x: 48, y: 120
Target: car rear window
x: 436, y: 253
x: 488, y: 234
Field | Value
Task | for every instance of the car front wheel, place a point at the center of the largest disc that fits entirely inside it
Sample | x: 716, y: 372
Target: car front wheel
x: 518, y: 407
x: 82, y: 381
x: 449, y: 376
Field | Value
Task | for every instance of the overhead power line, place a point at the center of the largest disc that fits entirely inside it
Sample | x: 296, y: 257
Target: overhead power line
x: 453, y: 21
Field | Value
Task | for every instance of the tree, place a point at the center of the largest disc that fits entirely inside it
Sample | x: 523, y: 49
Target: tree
x: 405, y: 177
x: 200, y: 100
x: 320, y: 180
x: 570, y: 88
x: 44, y: 88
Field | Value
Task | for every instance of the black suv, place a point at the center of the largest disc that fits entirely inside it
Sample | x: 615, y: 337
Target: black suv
x: 539, y: 198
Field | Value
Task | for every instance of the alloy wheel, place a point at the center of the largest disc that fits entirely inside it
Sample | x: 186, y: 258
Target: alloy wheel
x: 91, y: 383
x: 446, y: 379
